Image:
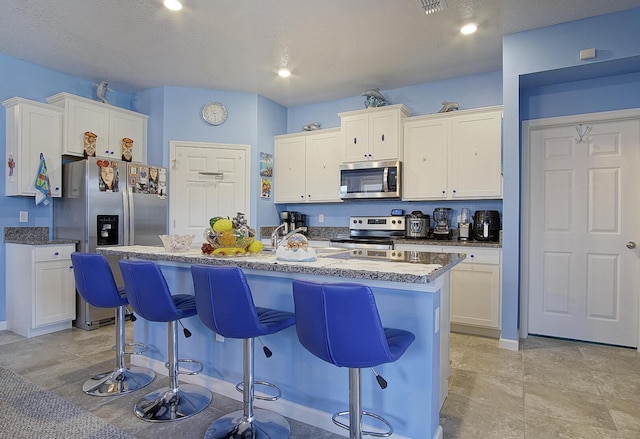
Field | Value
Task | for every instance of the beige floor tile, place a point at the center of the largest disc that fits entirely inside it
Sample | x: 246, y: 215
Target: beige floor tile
x: 626, y: 416
x: 602, y: 358
x: 491, y: 360
x: 567, y: 405
x: 492, y: 390
x: 543, y: 427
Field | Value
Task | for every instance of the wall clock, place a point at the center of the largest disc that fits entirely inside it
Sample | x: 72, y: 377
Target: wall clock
x: 214, y: 113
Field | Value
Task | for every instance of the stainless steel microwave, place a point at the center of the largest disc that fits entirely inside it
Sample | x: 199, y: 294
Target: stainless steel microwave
x: 371, y: 180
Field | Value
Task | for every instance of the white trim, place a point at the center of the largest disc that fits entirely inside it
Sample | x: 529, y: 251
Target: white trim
x: 512, y: 345
x: 3, y: 325
x: 299, y: 412
x: 527, y: 127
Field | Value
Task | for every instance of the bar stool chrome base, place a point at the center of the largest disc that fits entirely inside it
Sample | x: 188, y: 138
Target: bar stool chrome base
x: 264, y: 424
x: 119, y: 381
x: 169, y: 404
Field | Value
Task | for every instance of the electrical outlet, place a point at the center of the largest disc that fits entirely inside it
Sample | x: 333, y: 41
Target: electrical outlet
x: 24, y: 216
x: 219, y: 338
x: 321, y: 218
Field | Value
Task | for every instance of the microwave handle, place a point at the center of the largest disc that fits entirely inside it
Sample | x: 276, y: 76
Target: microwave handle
x: 385, y: 180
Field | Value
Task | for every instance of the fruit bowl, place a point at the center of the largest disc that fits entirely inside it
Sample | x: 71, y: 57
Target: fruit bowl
x: 177, y: 243
x: 229, y: 233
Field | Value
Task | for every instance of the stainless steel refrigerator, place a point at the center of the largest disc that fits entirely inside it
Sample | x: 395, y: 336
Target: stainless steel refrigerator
x: 109, y: 203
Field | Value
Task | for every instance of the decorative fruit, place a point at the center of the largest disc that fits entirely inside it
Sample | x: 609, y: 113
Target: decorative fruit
x: 206, y: 248
x: 227, y: 251
x: 213, y: 220
x: 255, y: 247
x: 222, y: 225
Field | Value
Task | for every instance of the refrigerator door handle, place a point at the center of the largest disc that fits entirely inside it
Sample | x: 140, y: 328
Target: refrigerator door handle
x: 128, y: 216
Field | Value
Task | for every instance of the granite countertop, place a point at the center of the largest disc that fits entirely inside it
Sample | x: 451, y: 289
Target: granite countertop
x: 417, y: 267
x: 32, y: 236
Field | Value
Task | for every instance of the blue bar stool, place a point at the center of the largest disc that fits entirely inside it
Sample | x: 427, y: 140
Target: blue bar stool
x: 149, y: 296
x: 225, y: 305
x: 95, y: 283
x: 340, y: 324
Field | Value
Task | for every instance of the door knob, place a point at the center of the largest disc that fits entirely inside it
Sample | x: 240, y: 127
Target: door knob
x: 631, y: 245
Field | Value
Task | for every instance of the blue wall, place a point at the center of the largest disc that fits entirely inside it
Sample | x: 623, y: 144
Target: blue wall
x: 543, y: 76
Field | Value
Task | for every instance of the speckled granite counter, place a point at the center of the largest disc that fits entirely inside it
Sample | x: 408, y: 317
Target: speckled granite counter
x: 407, y: 267
x: 411, y: 294
x: 32, y: 236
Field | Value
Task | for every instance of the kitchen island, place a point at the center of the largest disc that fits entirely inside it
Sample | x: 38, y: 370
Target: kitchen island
x: 411, y: 290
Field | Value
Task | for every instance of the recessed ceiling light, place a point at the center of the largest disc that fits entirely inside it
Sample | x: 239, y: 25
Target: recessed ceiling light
x: 468, y: 29
x: 174, y: 5
x: 284, y: 73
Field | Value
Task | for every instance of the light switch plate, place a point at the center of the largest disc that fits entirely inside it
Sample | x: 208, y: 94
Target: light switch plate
x: 24, y: 216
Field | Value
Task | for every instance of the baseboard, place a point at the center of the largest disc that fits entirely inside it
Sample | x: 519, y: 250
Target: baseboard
x: 301, y: 413
x: 439, y: 433
x: 3, y: 325
x: 512, y: 345
x: 474, y: 330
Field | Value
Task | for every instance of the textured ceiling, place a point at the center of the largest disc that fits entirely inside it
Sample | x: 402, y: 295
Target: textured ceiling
x: 334, y: 48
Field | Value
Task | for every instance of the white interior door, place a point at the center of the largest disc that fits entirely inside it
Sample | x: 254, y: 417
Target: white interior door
x: 207, y: 180
x: 584, y: 212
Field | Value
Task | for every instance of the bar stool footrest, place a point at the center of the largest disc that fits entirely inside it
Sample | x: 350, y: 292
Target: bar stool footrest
x: 184, y: 371
x: 240, y: 387
x: 341, y: 424
x: 137, y: 348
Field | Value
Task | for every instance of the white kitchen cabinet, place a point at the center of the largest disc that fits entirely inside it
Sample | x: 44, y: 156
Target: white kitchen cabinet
x: 372, y: 133
x: 109, y: 123
x: 40, y: 288
x: 449, y: 156
x: 476, y: 285
x: 32, y: 128
x: 306, y: 167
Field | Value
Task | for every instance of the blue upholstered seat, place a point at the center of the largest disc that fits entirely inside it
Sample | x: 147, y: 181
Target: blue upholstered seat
x: 149, y: 294
x: 340, y: 324
x: 95, y: 283
x: 225, y: 305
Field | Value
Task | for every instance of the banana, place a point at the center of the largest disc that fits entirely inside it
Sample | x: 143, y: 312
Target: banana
x: 226, y: 251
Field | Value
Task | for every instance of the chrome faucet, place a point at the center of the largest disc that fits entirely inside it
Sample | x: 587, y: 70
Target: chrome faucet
x: 275, y: 242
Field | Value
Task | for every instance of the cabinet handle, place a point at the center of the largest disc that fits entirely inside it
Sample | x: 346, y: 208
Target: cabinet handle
x: 454, y: 191
x: 444, y: 192
x: 355, y: 140
x: 56, y: 253
x: 302, y: 196
x: 383, y: 137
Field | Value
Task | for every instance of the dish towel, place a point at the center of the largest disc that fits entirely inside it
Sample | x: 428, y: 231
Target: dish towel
x: 43, y: 187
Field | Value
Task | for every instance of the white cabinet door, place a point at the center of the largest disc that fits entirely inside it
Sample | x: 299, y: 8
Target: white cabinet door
x: 322, y: 167
x: 32, y: 128
x: 453, y: 156
x: 290, y: 170
x: 425, y: 166
x: 54, y: 292
x: 123, y: 124
x: 82, y: 117
x: 476, y: 145
x: 307, y: 167
x: 475, y: 295
x: 372, y: 134
x: 110, y: 124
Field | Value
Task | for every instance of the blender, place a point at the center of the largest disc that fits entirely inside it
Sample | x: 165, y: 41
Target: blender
x: 464, y: 225
x: 442, y: 217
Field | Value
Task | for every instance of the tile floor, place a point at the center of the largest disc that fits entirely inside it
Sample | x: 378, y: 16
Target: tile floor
x: 549, y: 389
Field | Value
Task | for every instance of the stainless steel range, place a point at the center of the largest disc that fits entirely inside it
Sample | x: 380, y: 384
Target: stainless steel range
x: 371, y: 232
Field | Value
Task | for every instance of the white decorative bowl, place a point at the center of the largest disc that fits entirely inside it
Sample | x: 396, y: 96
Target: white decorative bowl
x: 177, y: 243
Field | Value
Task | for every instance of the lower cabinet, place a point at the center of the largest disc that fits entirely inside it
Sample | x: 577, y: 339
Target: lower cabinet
x: 40, y: 288
x: 476, y: 287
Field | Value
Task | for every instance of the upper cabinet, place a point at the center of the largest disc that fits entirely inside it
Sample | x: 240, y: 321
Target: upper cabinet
x: 454, y: 155
x: 113, y: 132
x: 32, y: 128
x: 372, y: 133
x: 306, y: 167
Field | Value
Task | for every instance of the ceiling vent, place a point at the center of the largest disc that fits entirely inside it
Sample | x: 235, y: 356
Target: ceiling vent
x: 432, y: 6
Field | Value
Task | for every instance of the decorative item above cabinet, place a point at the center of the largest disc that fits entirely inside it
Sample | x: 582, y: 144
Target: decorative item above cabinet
x: 103, y: 130
x: 373, y: 133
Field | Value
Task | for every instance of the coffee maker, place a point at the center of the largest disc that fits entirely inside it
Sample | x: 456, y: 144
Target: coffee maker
x: 292, y: 220
x: 442, y: 217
